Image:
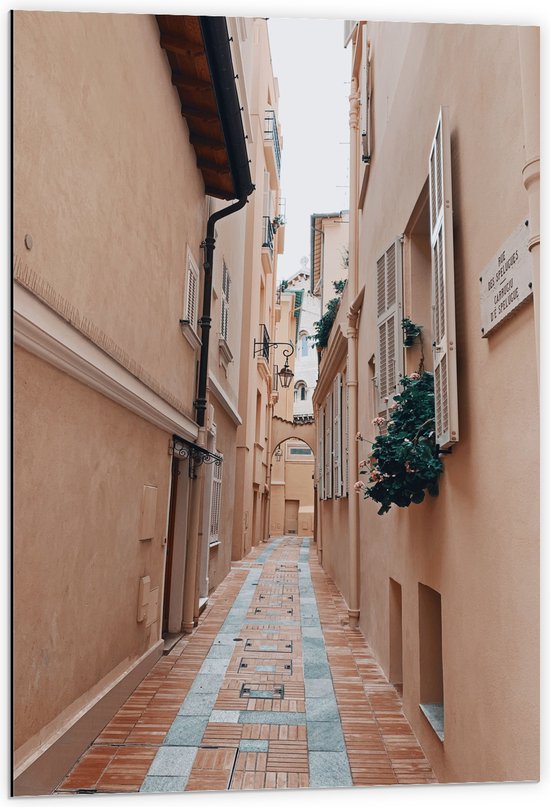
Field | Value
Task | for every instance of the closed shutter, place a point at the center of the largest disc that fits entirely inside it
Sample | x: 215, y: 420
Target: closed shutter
x: 346, y: 437
x: 389, y: 356
x: 365, y: 99
x: 226, y: 282
x: 192, y: 292
x: 321, y: 454
x: 337, y: 438
x: 328, y: 447
x: 215, y: 503
x: 443, y: 303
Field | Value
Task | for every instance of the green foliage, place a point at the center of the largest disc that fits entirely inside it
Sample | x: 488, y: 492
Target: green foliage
x: 411, y: 331
x: 404, y: 462
x: 324, y: 325
x: 283, y: 286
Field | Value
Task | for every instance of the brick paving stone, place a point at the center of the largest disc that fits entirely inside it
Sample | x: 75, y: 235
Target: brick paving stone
x: 189, y: 726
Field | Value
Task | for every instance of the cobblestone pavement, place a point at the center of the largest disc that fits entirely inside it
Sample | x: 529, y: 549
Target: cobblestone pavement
x: 272, y: 690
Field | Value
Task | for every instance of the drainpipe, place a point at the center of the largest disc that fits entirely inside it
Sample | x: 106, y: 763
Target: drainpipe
x: 192, y: 560
x: 352, y: 373
x: 529, y: 60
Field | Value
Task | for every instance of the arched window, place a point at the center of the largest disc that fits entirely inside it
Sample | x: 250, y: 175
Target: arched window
x: 300, y: 391
x: 305, y: 343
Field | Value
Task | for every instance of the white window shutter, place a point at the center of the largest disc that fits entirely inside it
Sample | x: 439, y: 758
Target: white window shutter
x: 389, y: 308
x: 365, y: 99
x: 226, y: 282
x: 321, y: 454
x: 346, y: 437
x: 443, y: 295
x: 215, y: 503
x: 192, y: 292
x: 328, y: 447
x: 337, y: 397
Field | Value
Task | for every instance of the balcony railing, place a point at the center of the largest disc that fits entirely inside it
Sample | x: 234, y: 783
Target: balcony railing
x: 267, y: 233
x: 263, y: 351
x: 271, y: 133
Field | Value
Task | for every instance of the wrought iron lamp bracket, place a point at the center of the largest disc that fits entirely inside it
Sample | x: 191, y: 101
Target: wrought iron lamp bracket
x: 184, y: 450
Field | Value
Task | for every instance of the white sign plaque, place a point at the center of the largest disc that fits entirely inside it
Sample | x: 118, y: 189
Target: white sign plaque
x: 506, y: 281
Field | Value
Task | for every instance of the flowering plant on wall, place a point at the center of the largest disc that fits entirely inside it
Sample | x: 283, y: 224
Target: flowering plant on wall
x: 404, y: 463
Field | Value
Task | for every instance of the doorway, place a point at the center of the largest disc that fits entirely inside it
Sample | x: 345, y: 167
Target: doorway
x: 291, y: 516
x: 176, y: 550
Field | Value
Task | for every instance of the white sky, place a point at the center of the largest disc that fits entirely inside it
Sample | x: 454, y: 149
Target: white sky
x: 313, y: 70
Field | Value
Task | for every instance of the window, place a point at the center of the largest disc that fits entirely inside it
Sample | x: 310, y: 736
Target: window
x: 321, y: 453
x: 192, y: 292
x: 389, y: 350
x: 327, y: 485
x: 305, y: 344
x: 296, y: 450
x: 226, y: 283
x: 337, y: 437
x: 300, y: 391
x: 431, y: 657
x: 443, y: 328
x: 215, y: 503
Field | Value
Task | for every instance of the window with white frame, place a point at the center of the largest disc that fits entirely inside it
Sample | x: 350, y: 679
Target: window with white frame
x: 300, y: 391
x: 215, y: 503
x: 328, y: 448
x: 304, y: 343
x: 338, y: 475
x: 191, y: 305
x: 389, y: 311
x: 321, y: 452
x: 226, y: 283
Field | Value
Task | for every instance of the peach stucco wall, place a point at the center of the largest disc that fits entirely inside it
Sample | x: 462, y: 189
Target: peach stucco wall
x: 477, y: 542
x: 107, y: 183
x: 78, y: 557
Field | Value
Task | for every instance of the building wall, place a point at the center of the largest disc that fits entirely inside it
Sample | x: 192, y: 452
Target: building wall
x: 81, y: 464
x: 255, y: 405
x: 476, y: 544
x: 291, y: 479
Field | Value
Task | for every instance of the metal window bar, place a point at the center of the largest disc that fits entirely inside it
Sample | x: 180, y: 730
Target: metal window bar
x: 264, y: 339
x: 271, y: 133
x: 267, y: 233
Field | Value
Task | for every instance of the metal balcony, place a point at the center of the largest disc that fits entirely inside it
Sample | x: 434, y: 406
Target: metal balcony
x: 263, y: 351
x: 267, y: 233
x: 271, y: 136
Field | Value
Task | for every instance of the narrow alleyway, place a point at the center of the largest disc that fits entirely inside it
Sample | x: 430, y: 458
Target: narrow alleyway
x: 273, y: 690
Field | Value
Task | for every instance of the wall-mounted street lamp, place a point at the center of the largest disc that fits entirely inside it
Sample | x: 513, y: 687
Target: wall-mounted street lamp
x: 261, y: 348
x: 278, y: 453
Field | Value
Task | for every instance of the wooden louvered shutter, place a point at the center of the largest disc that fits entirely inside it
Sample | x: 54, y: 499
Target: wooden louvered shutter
x: 443, y: 303
x: 389, y: 356
x: 365, y: 99
x: 192, y: 292
x: 337, y: 438
x: 328, y: 447
x: 215, y: 503
x: 226, y: 281
x: 346, y: 437
x: 321, y: 454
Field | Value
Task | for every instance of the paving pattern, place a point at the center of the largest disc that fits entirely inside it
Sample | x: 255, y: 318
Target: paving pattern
x: 272, y: 690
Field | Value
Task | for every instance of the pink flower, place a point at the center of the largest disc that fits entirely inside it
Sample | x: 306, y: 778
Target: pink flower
x: 358, y: 487
x: 394, y: 406
x: 376, y: 476
x: 414, y: 376
x: 379, y: 421
x: 358, y: 436
x: 363, y: 464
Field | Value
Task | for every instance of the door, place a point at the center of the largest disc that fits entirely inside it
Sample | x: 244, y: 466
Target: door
x: 291, y: 516
x: 170, y: 546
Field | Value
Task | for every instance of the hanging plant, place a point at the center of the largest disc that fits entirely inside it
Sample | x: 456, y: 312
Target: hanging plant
x: 411, y: 331
x: 404, y: 462
x: 324, y: 325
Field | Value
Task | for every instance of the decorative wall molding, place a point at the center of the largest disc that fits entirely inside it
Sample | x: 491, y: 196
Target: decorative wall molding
x: 46, y: 334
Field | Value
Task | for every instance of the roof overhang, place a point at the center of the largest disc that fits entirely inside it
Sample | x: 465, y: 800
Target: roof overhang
x: 199, y: 56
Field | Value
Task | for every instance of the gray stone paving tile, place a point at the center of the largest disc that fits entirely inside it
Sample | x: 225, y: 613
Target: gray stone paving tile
x: 215, y: 665
x: 329, y: 769
x: 173, y: 761
x: 224, y: 716
x: 324, y: 708
x: 319, y: 688
x: 206, y: 682
x: 186, y: 730
x: 316, y: 669
x: 278, y: 718
x: 313, y: 642
x: 315, y: 633
x: 325, y: 736
x: 164, y: 784
x: 198, y: 704
x: 220, y: 651
x: 259, y: 746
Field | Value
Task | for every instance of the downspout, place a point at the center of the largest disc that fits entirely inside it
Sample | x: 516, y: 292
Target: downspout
x: 200, y: 403
x: 352, y: 373
x: 529, y: 60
